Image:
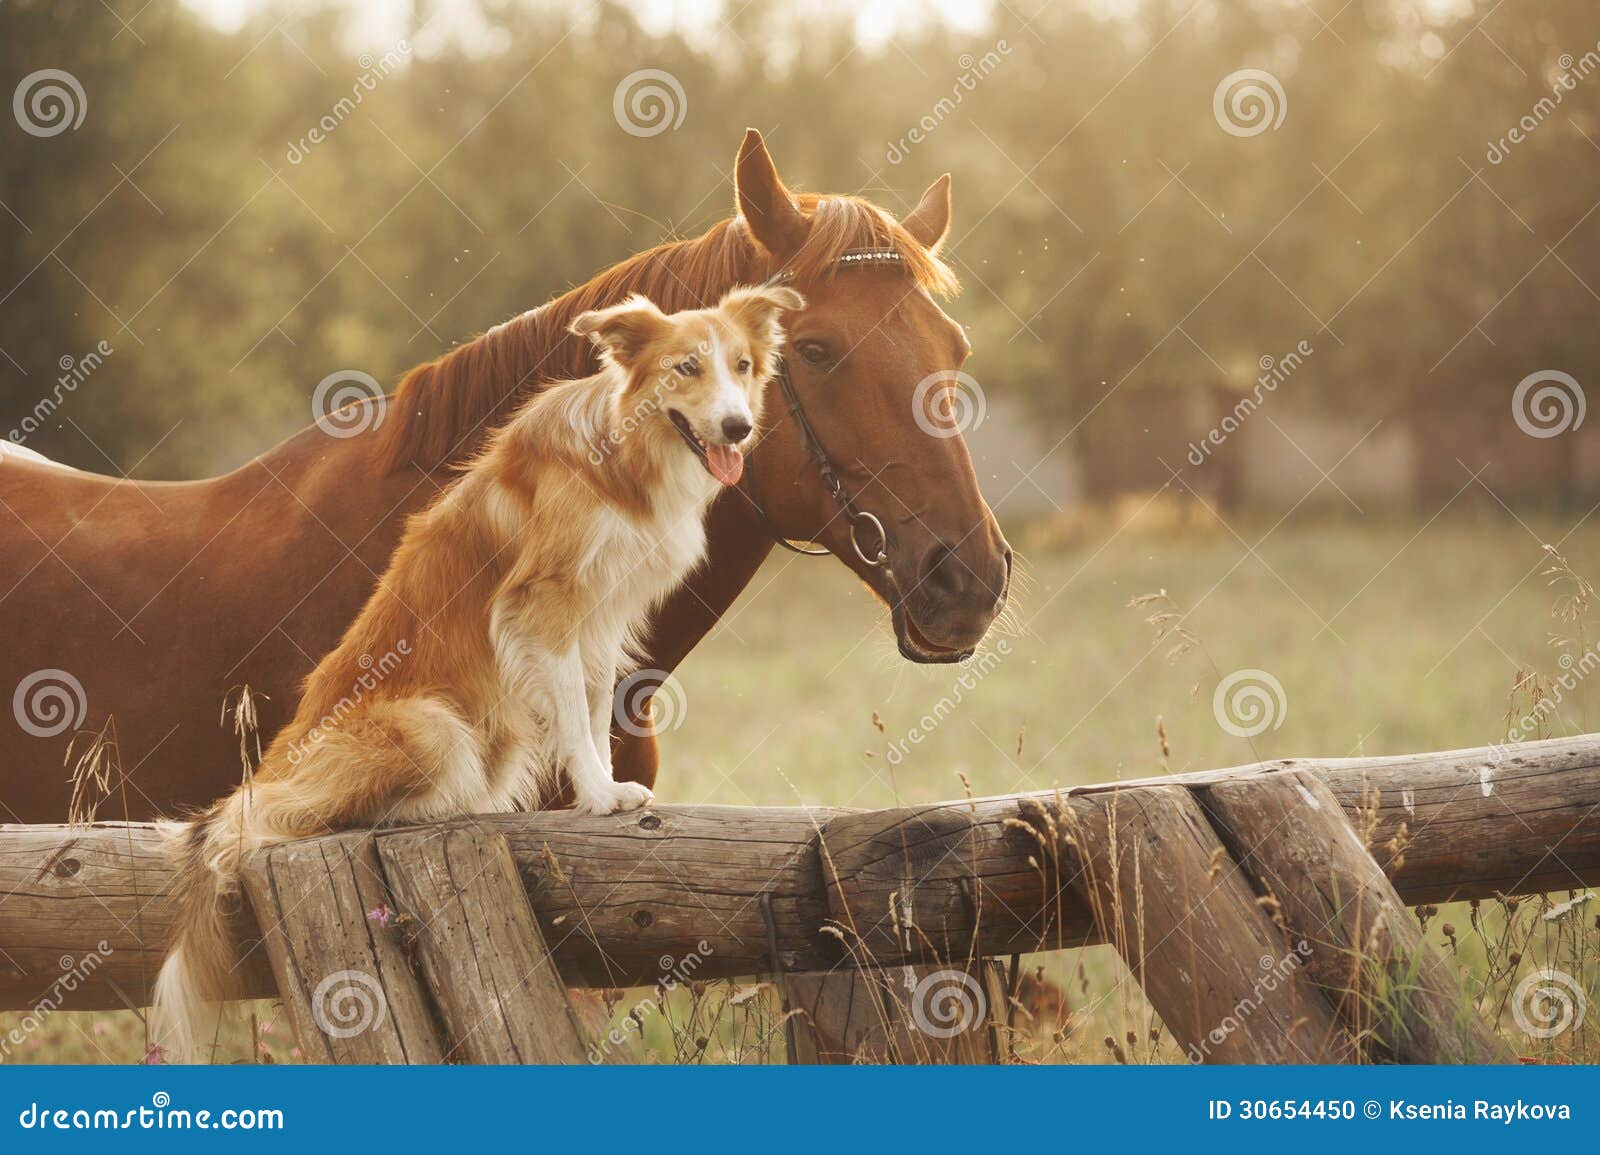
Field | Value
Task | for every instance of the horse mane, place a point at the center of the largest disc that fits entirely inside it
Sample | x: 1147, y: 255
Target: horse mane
x: 444, y: 409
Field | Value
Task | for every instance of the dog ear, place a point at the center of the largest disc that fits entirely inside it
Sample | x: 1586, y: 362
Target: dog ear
x: 757, y: 307
x: 622, y: 330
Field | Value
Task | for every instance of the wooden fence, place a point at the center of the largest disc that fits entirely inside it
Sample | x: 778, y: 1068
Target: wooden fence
x: 1196, y: 879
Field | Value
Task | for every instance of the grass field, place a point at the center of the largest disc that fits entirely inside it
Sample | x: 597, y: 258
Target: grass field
x: 1385, y: 635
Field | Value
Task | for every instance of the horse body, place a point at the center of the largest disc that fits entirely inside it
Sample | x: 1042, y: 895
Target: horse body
x: 158, y: 598
x: 150, y: 602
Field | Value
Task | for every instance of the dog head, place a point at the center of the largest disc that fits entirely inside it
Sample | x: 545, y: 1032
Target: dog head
x: 702, y: 370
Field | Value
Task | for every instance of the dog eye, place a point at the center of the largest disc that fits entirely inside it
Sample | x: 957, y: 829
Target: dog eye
x: 744, y: 365
x: 688, y: 368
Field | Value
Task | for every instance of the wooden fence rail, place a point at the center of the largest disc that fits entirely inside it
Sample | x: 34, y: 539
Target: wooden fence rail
x: 747, y: 890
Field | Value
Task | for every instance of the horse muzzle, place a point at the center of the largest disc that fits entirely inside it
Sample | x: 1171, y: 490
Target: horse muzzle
x: 955, y: 597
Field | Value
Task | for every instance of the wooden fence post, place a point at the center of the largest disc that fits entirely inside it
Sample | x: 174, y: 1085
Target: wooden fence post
x: 1186, y: 921
x: 346, y: 984
x: 1365, y: 949
x: 480, y: 947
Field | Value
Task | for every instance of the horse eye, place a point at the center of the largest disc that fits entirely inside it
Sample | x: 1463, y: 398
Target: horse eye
x: 689, y: 368
x: 813, y: 352
x: 744, y: 365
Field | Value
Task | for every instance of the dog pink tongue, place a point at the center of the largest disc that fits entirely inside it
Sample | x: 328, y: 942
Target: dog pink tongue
x: 725, y: 463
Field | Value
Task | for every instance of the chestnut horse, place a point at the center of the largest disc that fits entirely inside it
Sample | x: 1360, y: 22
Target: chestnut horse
x: 150, y: 602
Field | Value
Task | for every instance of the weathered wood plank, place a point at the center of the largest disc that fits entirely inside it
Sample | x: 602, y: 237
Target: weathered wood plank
x: 92, y: 891
x: 658, y: 882
x: 481, y: 950
x: 1186, y: 921
x: 1391, y: 989
x: 616, y: 894
x: 347, y: 987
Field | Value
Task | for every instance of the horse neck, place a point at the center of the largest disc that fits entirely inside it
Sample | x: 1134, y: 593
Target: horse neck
x: 445, y: 409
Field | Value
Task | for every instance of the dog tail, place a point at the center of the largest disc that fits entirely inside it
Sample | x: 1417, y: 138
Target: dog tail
x: 198, y: 972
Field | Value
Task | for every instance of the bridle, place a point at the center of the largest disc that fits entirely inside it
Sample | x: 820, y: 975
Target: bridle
x: 857, y: 517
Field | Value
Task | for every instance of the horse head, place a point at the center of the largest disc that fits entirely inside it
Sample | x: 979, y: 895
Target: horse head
x: 860, y: 452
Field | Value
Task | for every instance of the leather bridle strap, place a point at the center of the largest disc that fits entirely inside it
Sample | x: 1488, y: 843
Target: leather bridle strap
x: 875, y: 552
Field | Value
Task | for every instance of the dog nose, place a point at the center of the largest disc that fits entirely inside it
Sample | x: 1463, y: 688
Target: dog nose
x: 736, y: 428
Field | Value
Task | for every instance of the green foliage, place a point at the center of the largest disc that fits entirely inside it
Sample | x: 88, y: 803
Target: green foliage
x: 1123, y: 253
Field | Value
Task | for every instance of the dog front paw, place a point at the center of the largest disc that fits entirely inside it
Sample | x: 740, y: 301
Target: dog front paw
x: 614, y: 797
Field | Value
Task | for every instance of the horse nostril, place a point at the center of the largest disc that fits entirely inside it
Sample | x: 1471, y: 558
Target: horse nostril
x: 736, y: 428
x: 943, y: 571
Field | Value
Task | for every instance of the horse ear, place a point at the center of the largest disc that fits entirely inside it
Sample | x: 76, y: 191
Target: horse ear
x: 930, y: 220
x: 622, y: 330
x: 765, y: 205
